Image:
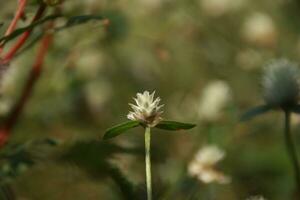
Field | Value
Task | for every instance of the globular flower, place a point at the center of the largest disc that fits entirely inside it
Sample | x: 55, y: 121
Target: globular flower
x: 203, y: 165
x: 281, y: 84
x: 147, y: 109
x: 281, y: 89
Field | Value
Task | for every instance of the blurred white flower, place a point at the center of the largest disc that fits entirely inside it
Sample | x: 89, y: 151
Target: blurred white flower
x: 89, y: 63
x: 216, y: 8
x: 147, y: 110
x: 258, y: 197
x: 97, y: 93
x: 214, y: 98
x: 203, y: 165
x: 259, y: 29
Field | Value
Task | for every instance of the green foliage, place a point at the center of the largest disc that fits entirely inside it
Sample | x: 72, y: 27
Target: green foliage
x: 174, y: 126
x: 6, y: 192
x: 174, y: 47
x: 77, y: 20
x: 16, y: 158
x: 258, y: 110
x: 119, y: 129
x: 118, y: 27
x: 72, y: 21
x: 92, y: 157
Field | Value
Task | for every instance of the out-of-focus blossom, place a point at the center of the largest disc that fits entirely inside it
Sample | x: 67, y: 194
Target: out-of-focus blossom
x: 258, y: 197
x: 89, y: 63
x: 204, y: 163
x: 147, y: 109
x: 216, y: 8
x: 97, y: 93
x: 214, y: 98
x: 259, y: 29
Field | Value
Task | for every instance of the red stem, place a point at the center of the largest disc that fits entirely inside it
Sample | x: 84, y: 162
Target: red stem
x: 18, y: 15
x: 12, y: 118
x: 13, y: 24
x: 11, y: 53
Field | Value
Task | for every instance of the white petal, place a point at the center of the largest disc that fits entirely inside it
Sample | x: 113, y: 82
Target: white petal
x: 131, y: 116
x: 210, y: 155
x: 152, y: 96
x: 137, y: 101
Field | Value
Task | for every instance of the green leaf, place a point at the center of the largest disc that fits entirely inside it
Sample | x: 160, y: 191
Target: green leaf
x: 72, y: 21
x: 19, y: 31
x: 119, y: 129
x: 77, y: 20
x: 174, y: 126
x: 254, y: 112
x: 90, y: 156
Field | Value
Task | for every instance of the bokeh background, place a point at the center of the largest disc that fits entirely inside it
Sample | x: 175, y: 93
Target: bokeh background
x: 204, y: 58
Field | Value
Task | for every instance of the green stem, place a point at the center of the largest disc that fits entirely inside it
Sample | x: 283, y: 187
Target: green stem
x: 291, y: 148
x: 148, y: 162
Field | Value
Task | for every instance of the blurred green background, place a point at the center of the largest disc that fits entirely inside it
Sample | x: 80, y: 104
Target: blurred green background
x: 204, y: 58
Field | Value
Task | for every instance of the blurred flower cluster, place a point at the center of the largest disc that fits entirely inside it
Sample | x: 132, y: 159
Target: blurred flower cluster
x: 203, y: 166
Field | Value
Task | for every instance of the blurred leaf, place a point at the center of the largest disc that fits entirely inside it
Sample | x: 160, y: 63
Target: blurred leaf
x: 72, y: 21
x: 91, y: 157
x: 35, y: 38
x: 254, y: 112
x: 119, y: 129
x: 77, y: 20
x: 17, y: 157
x: 126, y: 187
x: 19, y: 31
x: 174, y: 126
x: 117, y: 28
x: 6, y: 192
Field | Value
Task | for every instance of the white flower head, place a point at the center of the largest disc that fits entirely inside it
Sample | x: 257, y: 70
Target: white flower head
x: 147, y: 109
x: 203, y: 165
x: 215, y: 97
x: 281, y: 84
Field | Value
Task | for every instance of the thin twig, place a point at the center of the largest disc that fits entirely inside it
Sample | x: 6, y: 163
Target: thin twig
x: 12, y: 118
x: 11, y: 53
x: 19, y: 13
